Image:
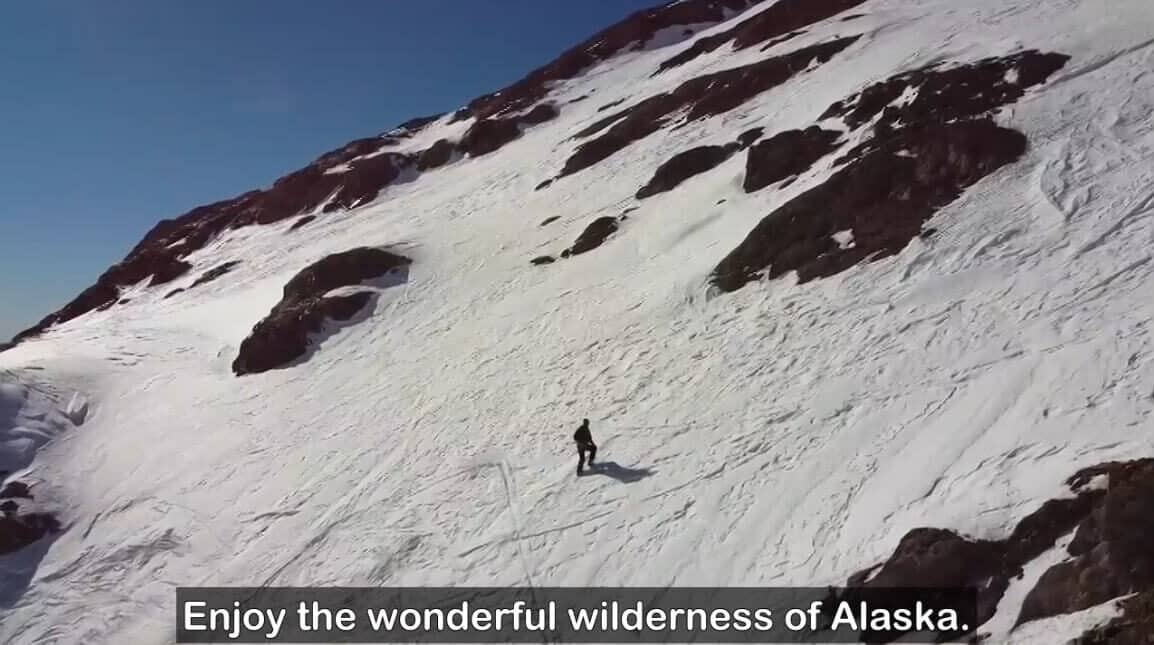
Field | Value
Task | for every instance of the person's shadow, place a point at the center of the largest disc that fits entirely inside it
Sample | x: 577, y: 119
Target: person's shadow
x: 617, y: 471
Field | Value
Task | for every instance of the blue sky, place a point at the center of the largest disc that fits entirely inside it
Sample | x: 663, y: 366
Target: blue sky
x: 120, y: 113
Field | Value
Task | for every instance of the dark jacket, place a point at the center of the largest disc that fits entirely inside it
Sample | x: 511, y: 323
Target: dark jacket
x: 583, y: 436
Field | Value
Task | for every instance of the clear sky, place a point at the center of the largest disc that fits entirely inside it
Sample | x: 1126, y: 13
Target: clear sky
x: 120, y: 113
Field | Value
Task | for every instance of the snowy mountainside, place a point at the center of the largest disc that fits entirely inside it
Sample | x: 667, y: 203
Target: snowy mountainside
x: 954, y: 388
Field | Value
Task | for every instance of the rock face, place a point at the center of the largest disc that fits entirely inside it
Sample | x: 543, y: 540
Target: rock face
x: 283, y: 335
x: 636, y: 30
x: 947, y: 94
x: 780, y: 21
x: 302, y: 221
x: 1110, y: 551
x: 214, y: 273
x: 491, y: 134
x: 883, y: 198
x: 437, y: 155
x: 685, y: 165
x: 593, y: 236
x: 785, y: 155
x: 922, y: 154
x: 698, y: 98
x: 18, y: 531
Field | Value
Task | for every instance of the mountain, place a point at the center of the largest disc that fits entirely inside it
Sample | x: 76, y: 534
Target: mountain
x: 852, y: 291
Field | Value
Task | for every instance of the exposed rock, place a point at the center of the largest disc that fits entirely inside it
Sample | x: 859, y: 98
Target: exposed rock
x: 16, y: 489
x: 417, y: 124
x: 946, y: 94
x: 542, y: 259
x: 174, y: 292
x: 550, y: 220
x: 489, y: 135
x: 168, y: 271
x: 593, y: 236
x: 747, y: 138
x: 780, y: 19
x: 214, y: 273
x: 545, y: 184
x: 437, y: 155
x: 1135, y: 625
x: 698, y: 98
x: 610, y: 105
x: 883, y: 198
x: 19, y: 531
x: 924, y: 152
x: 637, y: 29
x: 539, y: 114
x: 786, y: 155
x: 684, y: 165
x: 365, y: 179
x: 160, y: 254
x: 283, y: 335
x: 302, y: 221
x: 1110, y: 550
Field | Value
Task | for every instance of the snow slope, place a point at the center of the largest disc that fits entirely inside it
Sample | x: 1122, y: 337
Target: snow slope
x: 781, y: 434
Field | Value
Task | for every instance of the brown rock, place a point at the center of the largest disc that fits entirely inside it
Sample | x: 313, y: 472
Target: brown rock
x: 637, y: 29
x: 593, y: 236
x: 701, y: 97
x: 303, y: 221
x: 214, y: 273
x: 780, y: 19
x: 437, y: 155
x: 283, y: 335
x: 19, y: 531
x: 786, y: 154
x: 883, y: 198
x: 684, y: 165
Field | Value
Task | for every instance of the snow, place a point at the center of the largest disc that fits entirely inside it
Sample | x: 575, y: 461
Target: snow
x: 844, y: 238
x: 783, y: 434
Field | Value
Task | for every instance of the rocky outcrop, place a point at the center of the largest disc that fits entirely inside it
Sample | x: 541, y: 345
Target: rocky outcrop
x: 882, y: 199
x: 1111, y: 514
x: 302, y: 221
x: 350, y: 175
x: 947, y: 93
x: 158, y: 257
x: 18, y: 490
x: 18, y: 531
x: 785, y: 155
x: 489, y: 135
x: 920, y: 155
x: 635, y: 30
x: 436, y: 155
x: 781, y: 20
x: 684, y: 165
x: 1110, y: 551
x: 698, y: 98
x: 283, y: 335
x: 214, y: 273
x: 593, y: 236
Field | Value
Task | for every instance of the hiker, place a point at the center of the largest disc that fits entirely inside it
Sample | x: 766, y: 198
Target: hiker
x: 584, y: 441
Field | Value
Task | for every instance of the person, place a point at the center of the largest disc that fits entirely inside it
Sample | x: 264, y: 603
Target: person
x: 584, y: 440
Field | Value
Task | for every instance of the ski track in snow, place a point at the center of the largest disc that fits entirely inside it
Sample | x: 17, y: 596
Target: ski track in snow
x: 778, y: 435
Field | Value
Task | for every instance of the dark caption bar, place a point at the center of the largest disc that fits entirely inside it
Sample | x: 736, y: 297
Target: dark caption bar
x: 572, y: 615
